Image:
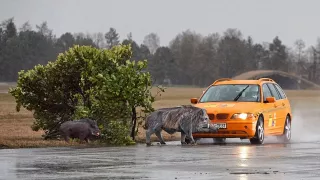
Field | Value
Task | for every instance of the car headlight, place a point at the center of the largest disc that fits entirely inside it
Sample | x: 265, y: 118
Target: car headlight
x: 242, y: 116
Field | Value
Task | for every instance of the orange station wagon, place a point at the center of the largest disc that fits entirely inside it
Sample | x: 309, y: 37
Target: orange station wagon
x: 246, y: 109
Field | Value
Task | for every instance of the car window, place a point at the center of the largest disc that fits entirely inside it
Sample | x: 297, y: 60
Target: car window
x: 251, y: 94
x: 266, y: 92
x: 281, y: 91
x: 228, y: 92
x: 274, y: 91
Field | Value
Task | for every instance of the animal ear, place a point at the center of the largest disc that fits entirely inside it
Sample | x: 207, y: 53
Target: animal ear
x: 204, y: 110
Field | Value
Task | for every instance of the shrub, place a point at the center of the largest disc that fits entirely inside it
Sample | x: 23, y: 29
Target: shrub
x: 104, y: 85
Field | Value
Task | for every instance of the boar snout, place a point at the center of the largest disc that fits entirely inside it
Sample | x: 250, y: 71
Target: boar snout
x: 95, y: 132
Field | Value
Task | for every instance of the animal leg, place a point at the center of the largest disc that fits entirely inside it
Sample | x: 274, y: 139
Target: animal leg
x: 183, y: 138
x: 82, y: 138
x: 66, y: 138
x: 189, y: 135
x: 159, y: 135
x: 149, y: 132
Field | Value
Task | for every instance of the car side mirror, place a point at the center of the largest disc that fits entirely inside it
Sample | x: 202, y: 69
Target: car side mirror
x: 194, y: 100
x: 270, y: 99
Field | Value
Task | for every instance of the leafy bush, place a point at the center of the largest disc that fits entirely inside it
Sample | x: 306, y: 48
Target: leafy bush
x: 87, y: 82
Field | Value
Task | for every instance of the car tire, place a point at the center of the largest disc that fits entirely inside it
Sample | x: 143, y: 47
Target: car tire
x: 219, y: 140
x: 259, y: 135
x: 286, y: 136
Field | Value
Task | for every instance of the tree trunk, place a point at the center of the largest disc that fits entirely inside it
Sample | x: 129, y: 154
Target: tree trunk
x: 134, y: 122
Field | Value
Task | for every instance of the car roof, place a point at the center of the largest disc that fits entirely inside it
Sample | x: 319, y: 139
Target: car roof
x: 224, y: 81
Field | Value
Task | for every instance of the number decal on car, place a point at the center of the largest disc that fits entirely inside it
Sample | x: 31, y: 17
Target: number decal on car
x: 270, y: 120
x: 274, y: 119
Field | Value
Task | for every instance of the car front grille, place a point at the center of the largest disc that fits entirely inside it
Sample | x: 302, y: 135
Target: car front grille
x: 222, y: 116
x: 219, y: 116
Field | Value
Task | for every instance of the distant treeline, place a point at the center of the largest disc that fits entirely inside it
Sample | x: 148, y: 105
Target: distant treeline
x: 190, y: 58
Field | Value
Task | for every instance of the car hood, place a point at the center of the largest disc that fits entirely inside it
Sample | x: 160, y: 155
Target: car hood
x: 230, y: 107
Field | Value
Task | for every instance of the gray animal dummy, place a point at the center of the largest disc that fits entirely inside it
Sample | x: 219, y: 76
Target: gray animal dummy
x: 186, y: 119
x: 83, y: 129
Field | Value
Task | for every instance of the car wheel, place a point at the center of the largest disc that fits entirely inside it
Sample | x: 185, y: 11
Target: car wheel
x: 219, y: 140
x: 259, y: 135
x: 286, y: 136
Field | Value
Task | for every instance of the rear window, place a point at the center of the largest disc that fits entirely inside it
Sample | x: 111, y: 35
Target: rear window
x: 281, y: 91
x: 266, y: 92
x: 274, y: 91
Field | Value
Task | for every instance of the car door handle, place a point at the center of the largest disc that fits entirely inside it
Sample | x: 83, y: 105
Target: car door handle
x: 283, y: 104
x: 275, y: 105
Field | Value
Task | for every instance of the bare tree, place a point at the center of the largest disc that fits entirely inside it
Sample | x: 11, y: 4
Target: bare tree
x: 152, y: 41
x: 233, y: 33
x: 299, y: 45
x: 98, y: 39
x: 129, y: 36
x: 44, y: 29
x: 25, y: 27
x: 309, y: 54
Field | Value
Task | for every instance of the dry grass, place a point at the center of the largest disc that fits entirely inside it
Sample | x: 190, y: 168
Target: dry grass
x: 15, y: 130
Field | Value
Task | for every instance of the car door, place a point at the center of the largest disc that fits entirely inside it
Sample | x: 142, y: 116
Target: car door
x: 278, y: 112
x: 268, y: 109
x: 283, y: 109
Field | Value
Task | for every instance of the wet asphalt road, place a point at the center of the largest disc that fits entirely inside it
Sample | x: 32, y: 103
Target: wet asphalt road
x: 235, y: 160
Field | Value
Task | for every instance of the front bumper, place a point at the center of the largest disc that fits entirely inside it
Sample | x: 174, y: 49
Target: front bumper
x: 234, y: 129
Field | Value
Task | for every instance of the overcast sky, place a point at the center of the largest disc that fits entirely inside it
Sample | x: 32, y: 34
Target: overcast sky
x: 263, y: 20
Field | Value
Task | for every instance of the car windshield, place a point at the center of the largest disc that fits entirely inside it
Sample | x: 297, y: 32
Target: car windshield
x: 230, y: 92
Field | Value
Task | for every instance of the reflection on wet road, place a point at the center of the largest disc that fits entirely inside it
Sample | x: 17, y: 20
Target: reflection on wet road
x: 238, y: 160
